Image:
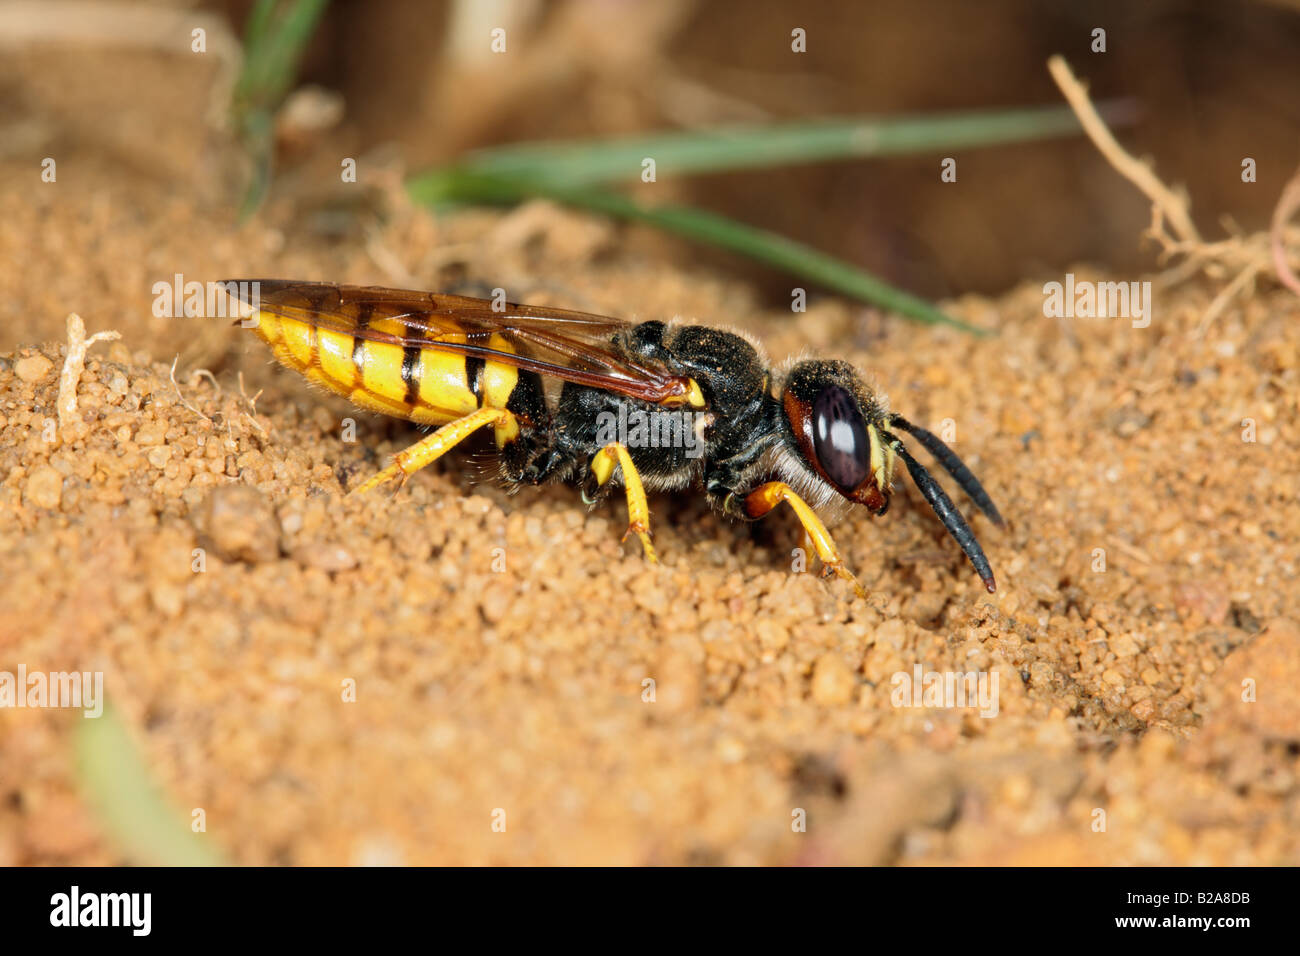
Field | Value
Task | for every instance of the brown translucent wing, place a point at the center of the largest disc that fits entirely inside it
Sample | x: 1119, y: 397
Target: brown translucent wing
x: 570, y: 346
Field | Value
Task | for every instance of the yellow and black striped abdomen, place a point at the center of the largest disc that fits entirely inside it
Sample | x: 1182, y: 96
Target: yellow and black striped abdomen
x: 417, y: 382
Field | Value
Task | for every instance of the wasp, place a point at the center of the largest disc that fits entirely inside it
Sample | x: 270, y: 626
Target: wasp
x: 557, y: 388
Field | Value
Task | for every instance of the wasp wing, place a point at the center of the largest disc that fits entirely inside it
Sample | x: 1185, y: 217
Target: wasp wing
x: 567, y: 345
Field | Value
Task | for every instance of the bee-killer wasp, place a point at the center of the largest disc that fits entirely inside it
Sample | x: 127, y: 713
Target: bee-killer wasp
x: 814, y: 433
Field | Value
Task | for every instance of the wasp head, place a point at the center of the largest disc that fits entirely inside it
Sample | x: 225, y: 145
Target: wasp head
x: 840, y: 431
x: 843, y: 436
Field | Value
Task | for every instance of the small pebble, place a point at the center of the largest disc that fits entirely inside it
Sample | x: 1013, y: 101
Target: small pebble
x: 44, y: 488
x: 33, y: 368
x: 239, y: 524
x: 832, y: 681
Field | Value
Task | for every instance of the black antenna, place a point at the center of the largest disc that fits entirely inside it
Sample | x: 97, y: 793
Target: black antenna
x: 948, y: 514
x: 954, y: 466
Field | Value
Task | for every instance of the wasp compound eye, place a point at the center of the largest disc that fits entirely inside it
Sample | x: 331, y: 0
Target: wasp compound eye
x: 840, y: 438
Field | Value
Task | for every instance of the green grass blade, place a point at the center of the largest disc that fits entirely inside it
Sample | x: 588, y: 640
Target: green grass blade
x: 794, y: 257
x: 274, y: 42
x: 724, y: 149
x: 259, y: 24
x: 563, y: 170
x: 772, y: 249
x: 117, y: 783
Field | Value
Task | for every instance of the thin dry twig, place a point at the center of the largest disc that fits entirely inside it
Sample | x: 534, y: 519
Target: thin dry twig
x: 251, y: 414
x: 181, y: 398
x: 199, y: 373
x: 1242, y: 257
x: 1139, y: 173
x: 1287, y: 204
x: 1244, y: 279
x: 73, y: 366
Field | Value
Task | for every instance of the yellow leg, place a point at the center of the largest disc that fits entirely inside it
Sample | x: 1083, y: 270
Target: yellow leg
x: 766, y: 497
x: 429, y: 449
x: 638, y: 511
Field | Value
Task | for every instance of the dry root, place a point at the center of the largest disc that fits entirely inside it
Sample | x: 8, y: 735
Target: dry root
x: 73, y: 366
x: 1239, y: 260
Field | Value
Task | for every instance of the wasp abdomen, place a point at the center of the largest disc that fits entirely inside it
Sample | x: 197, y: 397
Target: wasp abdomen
x: 418, y: 382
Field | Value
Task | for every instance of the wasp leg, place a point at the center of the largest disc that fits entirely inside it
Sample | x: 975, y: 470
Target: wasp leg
x: 429, y: 449
x: 638, y: 511
x: 765, y: 497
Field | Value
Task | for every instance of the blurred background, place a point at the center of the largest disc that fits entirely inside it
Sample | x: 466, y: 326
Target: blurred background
x: 405, y: 84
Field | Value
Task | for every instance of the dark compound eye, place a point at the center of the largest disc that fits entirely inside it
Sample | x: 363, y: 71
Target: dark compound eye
x: 840, y: 438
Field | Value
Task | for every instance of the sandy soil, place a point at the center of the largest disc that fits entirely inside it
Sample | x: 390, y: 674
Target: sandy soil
x: 1147, y: 572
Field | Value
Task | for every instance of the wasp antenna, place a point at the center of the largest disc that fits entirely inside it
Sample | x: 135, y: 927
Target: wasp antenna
x: 953, y: 465
x: 949, y: 515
